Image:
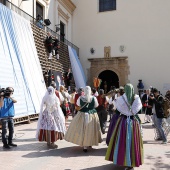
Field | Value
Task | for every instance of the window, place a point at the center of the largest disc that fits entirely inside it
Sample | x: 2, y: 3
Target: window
x: 107, y: 5
x: 62, y: 31
x: 3, y: 2
x: 39, y: 9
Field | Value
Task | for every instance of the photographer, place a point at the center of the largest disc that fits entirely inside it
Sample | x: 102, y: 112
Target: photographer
x: 158, y: 114
x: 6, y: 115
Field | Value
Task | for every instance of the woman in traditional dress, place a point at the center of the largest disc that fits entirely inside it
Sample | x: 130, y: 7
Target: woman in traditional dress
x: 126, y: 145
x: 51, y: 122
x: 84, y: 129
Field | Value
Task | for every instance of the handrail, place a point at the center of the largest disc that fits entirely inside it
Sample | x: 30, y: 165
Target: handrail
x: 27, y: 16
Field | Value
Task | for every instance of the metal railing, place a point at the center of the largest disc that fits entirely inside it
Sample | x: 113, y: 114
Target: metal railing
x: 34, y: 21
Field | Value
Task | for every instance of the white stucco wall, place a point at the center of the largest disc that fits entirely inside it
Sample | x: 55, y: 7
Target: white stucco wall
x: 141, y: 26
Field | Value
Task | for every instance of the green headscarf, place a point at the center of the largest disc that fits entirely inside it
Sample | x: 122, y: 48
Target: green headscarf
x: 129, y: 91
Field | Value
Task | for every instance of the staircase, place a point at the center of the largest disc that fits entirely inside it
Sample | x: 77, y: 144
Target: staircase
x: 39, y: 38
x: 60, y: 65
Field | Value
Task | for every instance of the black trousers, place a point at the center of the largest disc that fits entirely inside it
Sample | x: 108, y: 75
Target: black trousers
x: 102, y: 118
x: 7, y: 124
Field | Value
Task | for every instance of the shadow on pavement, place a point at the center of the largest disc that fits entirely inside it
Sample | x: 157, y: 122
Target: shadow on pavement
x: 147, y: 126
x: 106, y: 167
x: 158, y: 162
x: 153, y: 142
x: 28, y: 130
x: 74, y: 151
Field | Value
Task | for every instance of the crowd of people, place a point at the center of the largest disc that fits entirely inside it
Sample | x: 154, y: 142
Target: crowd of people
x: 90, y: 109
x: 155, y: 111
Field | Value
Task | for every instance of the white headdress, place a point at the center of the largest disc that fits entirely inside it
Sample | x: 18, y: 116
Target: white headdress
x: 87, y: 91
x: 50, y: 98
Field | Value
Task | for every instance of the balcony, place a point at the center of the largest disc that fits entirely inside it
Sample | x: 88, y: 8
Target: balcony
x: 33, y: 21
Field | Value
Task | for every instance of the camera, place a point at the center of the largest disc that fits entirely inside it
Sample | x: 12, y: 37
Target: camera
x: 151, y: 95
x: 6, y: 92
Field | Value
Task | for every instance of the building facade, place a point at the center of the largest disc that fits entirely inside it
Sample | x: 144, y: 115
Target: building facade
x: 136, y: 30
x: 120, y: 41
x: 59, y: 12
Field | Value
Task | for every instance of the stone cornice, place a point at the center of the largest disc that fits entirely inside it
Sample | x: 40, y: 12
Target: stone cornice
x: 107, y: 59
x: 63, y: 14
x: 68, y: 5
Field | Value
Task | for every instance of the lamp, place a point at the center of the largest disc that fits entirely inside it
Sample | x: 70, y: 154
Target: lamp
x: 47, y: 22
x: 92, y: 50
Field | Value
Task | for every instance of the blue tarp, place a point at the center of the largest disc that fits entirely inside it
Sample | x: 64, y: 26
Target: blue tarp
x: 78, y: 73
x: 19, y: 64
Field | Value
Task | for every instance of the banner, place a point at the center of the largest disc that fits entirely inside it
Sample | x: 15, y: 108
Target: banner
x: 77, y: 70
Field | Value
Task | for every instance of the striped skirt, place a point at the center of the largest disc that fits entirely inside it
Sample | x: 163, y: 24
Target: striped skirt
x: 84, y: 130
x: 49, y: 135
x: 111, y: 127
x: 126, y: 145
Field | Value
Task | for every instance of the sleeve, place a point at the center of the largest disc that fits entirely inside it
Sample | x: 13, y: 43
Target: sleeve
x: 57, y: 101
x: 67, y: 95
x: 61, y: 97
x: 107, y: 99
x: 143, y: 98
x: 42, y: 105
x: 78, y: 102
x: 110, y: 101
x: 160, y: 101
x: 96, y: 104
x: 114, y: 105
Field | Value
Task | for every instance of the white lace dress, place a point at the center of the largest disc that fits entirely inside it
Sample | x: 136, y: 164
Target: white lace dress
x: 51, y: 122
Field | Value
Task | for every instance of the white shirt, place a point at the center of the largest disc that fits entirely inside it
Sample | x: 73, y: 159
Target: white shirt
x: 112, y: 102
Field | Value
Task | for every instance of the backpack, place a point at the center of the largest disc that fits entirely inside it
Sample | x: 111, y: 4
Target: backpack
x: 166, y: 107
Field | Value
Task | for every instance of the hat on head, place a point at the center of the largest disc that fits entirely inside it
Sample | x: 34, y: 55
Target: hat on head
x: 155, y: 90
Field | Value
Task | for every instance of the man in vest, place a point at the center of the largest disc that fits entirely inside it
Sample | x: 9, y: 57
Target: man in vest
x: 102, y: 110
x: 7, y: 113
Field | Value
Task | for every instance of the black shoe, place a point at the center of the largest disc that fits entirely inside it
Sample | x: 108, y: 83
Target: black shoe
x: 103, y: 131
x: 84, y: 150
x: 158, y: 139
x: 6, y: 146
x: 12, y: 144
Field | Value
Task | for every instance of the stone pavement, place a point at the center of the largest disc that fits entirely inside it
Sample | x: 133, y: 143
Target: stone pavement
x: 33, y: 155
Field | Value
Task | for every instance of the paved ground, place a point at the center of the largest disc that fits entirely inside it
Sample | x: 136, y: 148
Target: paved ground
x: 33, y: 155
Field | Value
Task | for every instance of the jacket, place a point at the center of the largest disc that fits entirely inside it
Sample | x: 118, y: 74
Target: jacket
x: 158, y: 101
x: 7, y: 110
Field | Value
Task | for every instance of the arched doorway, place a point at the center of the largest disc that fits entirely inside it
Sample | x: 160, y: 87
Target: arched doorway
x: 110, y: 78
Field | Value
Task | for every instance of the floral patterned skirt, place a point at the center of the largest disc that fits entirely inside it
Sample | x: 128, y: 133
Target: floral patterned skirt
x: 51, y: 125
